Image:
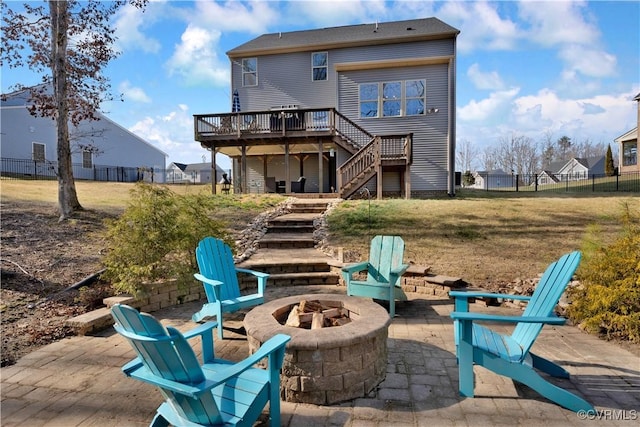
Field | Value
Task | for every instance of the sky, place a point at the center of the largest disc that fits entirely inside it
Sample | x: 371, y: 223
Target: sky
x: 533, y: 68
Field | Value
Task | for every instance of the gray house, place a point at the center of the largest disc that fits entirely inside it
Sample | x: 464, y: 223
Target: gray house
x: 577, y: 168
x: 340, y: 109
x: 193, y: 173
x: 100, y: 149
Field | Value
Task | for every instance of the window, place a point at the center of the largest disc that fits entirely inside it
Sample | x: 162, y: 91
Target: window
x: 402, y: 98
x: 87, y: 159
x: 391, y: 99
x: 250, y: 72
x: 319, y: 66
x: 369, y: 100
x: 629, y: 153
x: 414, y: 97
x: 38, y: 152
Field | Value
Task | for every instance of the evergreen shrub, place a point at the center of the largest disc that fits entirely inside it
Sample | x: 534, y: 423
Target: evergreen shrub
x: 608, y: 301
x: 155, y: 238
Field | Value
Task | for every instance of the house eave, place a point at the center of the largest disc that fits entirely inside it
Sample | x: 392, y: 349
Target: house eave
x: 629, y: 136
x: 243, y: 53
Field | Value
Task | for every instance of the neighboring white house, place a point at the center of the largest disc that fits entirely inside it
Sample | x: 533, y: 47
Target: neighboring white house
x: 194, y: 173
x: 100, y: 149
x: 577, y: 168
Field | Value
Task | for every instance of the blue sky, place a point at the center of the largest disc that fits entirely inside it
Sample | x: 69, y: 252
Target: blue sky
x: 533, y: 68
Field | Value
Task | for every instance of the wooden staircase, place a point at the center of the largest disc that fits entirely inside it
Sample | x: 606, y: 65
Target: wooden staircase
x: 380, y: 153
x: 287, y: 251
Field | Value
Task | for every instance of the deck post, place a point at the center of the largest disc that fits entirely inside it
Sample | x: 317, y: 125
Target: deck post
x: 320, y: 161
x: 243, y: 168
x: 214, y: 171
x: 287, y: 169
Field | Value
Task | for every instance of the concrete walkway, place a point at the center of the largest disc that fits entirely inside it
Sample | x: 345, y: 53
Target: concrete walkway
x: 78, y: 382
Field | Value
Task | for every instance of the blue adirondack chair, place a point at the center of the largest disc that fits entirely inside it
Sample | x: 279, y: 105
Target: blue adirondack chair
x: 384, y: 269
x: 510, y: 355
x: 218, y: 274
x: 216, y: 392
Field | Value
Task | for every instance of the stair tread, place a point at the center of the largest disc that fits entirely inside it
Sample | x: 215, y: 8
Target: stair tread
x: 282, y: 237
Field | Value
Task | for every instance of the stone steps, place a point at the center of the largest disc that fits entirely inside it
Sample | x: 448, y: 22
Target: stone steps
x: 99, y: 319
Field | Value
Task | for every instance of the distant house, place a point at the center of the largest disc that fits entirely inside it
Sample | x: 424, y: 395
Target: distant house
x: 628, y: 143
x: 370, y: 105
x: 194, y: 173
x: 546, y: 177
x: 576, y: 169
x: 494, y: 179
x: 100, y: 149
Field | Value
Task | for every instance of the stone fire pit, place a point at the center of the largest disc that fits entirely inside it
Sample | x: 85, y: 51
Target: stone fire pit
x: 328, y: 365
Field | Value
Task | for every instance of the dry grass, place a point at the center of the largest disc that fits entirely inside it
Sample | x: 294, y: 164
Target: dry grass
x: 484, y: 240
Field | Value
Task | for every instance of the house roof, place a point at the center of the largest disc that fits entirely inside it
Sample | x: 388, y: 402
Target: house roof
x: 347, y: 36
x: 197, y: 167
x: 587, y: 162
x: 628, y: 136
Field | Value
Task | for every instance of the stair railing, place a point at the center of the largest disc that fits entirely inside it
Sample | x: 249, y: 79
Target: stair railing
x: 367, y: 158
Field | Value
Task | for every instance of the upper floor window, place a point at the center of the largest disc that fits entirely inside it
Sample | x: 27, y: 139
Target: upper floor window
x: 629, y: 153
x: 87, y: 159
x: 38, y: 152
x: 250, y: 72
x: 319, y: 66
x: 401, y: 98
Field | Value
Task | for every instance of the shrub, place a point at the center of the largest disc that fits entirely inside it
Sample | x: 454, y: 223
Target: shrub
x: 156, y: 236
x: 608, y: 302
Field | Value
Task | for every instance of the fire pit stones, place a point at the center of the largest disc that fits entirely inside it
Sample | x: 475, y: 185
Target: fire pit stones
x: 328, y: 365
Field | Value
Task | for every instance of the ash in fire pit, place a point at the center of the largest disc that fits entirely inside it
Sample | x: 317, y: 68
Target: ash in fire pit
x: 326, y: 365
x: 313, y: 314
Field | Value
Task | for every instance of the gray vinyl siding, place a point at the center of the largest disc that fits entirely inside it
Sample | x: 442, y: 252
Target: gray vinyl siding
x: 429, y: 169
x: 285, y: 79
x: 276, y: 169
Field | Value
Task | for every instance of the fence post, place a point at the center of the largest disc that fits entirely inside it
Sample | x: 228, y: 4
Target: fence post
x: 593, y: 183
x: 517, y: 182
x: 535, y: 176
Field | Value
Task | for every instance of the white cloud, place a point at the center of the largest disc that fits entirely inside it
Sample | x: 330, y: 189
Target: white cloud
x: 132, y: 93
x: 196, y: 60
x: 128, y: 23
x: 252, y: 17
x: 489, y: 109
x: 480, y: 25
x: 566, y: 25
x: 481, y: 80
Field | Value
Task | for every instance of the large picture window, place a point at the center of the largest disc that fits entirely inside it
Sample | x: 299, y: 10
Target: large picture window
x: 250, y: 72
x: 38, y: 152
x: 401, y: 98
x: 319, y: 66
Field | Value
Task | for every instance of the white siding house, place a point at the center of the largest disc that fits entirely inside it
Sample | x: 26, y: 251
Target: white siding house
x: 628, y: 143
x: 101, y: 149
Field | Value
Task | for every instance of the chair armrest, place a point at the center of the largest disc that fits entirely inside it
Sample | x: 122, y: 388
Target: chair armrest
x: 206, y: 280
x: 143, y: 374
x: 551, y: 320
x: 200, y: 330
x: 252, y: 272
x: 474, y: 294
x: 399, y: 270
x: 273, y: 344
x: 354, y: 268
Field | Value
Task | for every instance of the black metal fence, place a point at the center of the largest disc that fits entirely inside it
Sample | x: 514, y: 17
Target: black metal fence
x: 626, y: 182
x: 47, y: 170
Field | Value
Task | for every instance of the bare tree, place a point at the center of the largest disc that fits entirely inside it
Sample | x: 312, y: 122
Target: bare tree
x: 69, y: 44
x: 489, y: 158
x: 466, y: 155
x: 548, y: 151
x: 517, y: 154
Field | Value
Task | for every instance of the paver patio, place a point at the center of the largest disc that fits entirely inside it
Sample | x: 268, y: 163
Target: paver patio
x: 78, y: 382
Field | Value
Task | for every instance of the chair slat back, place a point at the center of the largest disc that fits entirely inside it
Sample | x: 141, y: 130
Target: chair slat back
x: 385, y: 253
x: 167, y: 354
x: 215, y: 261
x: 552, y: 284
